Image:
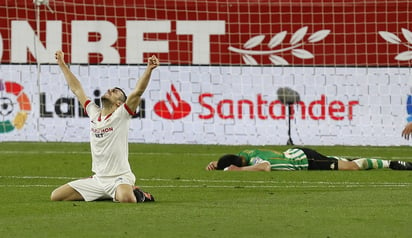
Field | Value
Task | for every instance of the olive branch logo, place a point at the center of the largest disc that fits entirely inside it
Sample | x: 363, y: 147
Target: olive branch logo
x: 394, y: 39
x: 296, y: 42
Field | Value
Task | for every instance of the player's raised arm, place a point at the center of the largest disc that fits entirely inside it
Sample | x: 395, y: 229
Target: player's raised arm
x: 133, y: 99
x: 72, y: 81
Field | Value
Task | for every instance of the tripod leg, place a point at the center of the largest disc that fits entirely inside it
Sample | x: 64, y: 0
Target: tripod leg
x: 289, y: 142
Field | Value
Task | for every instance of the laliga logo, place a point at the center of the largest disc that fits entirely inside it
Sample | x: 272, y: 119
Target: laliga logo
x: 11, y: 92
x: 173, y: 108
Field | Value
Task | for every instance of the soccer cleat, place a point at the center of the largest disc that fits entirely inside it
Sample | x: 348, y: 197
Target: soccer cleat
x: 142, y: 196
x: 400, y: 165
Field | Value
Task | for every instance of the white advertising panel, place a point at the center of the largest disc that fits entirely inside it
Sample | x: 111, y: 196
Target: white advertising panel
x: 214, y: 105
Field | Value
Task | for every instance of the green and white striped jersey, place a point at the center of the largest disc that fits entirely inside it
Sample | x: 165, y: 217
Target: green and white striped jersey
x: 291, y: 159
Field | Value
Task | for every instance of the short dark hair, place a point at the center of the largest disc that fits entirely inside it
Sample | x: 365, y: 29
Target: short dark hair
x: 124, y: 94
x: 227, y: 160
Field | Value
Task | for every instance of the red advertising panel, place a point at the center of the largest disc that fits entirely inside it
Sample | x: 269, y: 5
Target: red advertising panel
x: 210, y: 32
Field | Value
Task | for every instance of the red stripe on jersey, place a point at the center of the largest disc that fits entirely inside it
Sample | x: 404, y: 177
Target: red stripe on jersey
x: 85, y: 105
x: 105, y: 118
x: 129, y: 110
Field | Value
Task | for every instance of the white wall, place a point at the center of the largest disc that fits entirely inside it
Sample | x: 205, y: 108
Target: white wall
x: 370, y: 103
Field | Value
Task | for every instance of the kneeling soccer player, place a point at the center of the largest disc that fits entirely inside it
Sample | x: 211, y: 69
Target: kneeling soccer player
x: 109, y: 128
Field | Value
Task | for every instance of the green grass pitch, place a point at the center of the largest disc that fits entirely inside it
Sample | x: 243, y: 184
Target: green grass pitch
x: 192, y: 202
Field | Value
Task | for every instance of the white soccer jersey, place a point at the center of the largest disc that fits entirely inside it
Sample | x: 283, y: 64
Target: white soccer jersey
x: 109, y: 140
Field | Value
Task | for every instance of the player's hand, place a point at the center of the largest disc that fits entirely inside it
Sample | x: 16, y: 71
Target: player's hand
x: 152, y: 62
x: 407, y: 131
x: 232, y: 168
x: 212, y: 165
x: 59, y: 57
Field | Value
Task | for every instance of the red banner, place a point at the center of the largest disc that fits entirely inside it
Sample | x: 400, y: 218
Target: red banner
x: 210, y: 32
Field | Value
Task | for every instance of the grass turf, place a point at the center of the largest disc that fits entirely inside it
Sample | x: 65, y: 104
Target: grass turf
x: 192, y: 202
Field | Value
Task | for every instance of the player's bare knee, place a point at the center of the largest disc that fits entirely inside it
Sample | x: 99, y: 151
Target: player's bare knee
x: 54, y: 196
x: 124, y: 194
x: 127, y: 199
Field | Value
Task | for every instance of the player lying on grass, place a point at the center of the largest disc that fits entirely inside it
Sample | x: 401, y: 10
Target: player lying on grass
x: 298, y: 159
x: 109, y: 127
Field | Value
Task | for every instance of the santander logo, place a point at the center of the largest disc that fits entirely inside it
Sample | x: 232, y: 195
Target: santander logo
x: 174, y: 107
x: 258, y: 107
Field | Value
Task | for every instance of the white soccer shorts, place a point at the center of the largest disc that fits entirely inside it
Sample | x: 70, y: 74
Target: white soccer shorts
x: 101, y: 188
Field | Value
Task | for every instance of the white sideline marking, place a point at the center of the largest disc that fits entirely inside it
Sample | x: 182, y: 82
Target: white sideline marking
x: 88, y: 152
x: 272, y: 186
x: 220, y: 181
x: 212, y: 183
x: 212, y: 155
x: 168, y: 153
x: 228, y: 186
x: 36, y: 177
x: 26, y: 185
